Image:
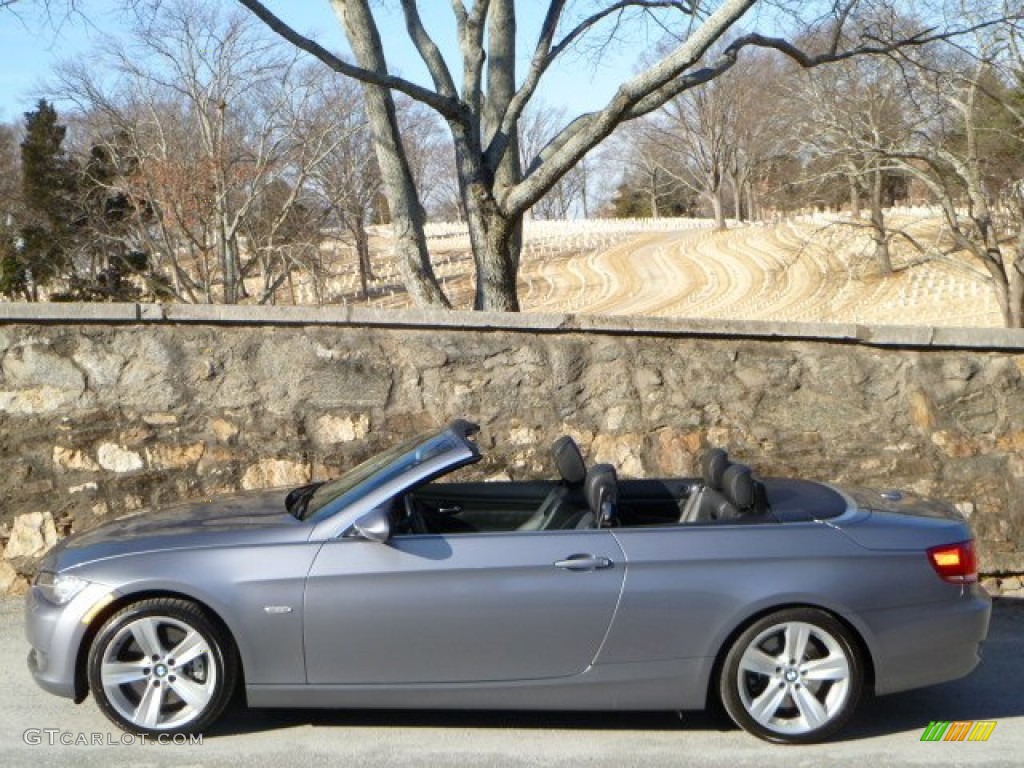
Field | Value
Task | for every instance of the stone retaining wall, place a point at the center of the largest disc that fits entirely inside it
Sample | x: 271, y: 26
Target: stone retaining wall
x: 110, y: 408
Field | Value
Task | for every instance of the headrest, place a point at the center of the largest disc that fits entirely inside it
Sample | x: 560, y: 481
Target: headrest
x: 738, y: 485
x: 569, y: 460
x: 601, y: 486
x: 713, y: 464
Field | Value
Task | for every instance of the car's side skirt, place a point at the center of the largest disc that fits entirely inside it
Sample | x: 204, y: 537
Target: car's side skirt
x: 664, y: 685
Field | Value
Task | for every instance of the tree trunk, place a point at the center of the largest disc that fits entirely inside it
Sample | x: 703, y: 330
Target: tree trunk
x: 358, y: 229
x: 492, y: 234
x: 737, y: 197
x: 227, y: 267
x: 407, y: 215
x: 495, y: 264
x: 1015, y: 318
x: 854, y: 197
x: 1016, y: 278
x: 878, y: 231
x: 585, y: 188
x: 501, y: 87
x: 654, y: 194
x: 718, y: 209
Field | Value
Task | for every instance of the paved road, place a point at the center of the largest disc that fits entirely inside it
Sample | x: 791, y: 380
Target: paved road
x: 886, y: 732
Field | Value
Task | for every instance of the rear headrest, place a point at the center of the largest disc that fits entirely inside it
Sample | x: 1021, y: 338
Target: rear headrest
x: 713, y: 464
x: 601, y: 486
x: 569, y: 460
x: 738, y: 486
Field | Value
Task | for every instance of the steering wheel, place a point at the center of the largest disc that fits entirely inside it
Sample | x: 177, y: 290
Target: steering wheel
x: 414, y: 521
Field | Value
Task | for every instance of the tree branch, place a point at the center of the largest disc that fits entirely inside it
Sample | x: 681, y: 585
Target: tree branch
x: 447, y: 106
x: 580, y: 136
x: 428, y: 50
x: 546, y: 52
x: 470, y: 27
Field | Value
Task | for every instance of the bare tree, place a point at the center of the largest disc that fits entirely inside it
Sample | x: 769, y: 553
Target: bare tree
x: 211, y: 111
x: 348, y: 181
x: 699, y: 132
x: 482, y: 98
x: 483, y: 112
x: 539, y: 125
x: 763, y: 129
x: 968, y: 152
x: 650, y: 171
x: 715, y: 139
x: 853, y: 117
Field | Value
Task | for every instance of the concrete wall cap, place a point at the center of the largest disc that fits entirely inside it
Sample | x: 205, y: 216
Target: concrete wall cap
x: 12, y: 313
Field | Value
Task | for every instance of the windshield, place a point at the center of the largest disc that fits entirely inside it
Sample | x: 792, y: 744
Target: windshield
x: 377, y: 471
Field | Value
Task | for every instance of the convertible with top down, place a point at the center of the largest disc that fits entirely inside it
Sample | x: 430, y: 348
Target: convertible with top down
x: 398, y: 585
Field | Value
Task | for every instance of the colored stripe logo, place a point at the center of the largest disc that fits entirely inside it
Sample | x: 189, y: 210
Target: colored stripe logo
x: 958, y: 730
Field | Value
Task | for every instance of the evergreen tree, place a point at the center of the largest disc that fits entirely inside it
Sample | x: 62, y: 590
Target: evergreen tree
x: 41, y: 251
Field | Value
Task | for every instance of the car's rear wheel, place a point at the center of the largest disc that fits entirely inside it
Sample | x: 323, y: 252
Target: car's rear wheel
x: 161, y: 666
x: 793, y: 676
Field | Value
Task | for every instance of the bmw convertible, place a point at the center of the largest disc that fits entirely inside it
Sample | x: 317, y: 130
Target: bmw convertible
x: 401, y: 585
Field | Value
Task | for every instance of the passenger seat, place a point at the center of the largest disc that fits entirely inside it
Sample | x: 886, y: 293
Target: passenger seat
x: 707, y: 500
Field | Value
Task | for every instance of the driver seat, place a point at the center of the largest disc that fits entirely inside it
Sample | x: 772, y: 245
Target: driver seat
x: 558, y: 506
x: 602, y: 491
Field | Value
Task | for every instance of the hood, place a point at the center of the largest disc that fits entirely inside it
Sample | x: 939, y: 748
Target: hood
x: 219, y: 521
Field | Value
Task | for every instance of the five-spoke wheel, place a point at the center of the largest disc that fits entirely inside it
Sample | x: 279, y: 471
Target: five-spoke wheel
x: 792, y: 676
x: 161, y: 666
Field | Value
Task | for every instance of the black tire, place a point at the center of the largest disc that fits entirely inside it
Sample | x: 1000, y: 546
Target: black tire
x: 792, y: 700
x: 154, y: 693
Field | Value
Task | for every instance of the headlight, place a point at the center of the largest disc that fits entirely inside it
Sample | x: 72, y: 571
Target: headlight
x: 59, y: 588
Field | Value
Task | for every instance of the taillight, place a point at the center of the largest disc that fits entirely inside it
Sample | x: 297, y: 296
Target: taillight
x: 955, y: 563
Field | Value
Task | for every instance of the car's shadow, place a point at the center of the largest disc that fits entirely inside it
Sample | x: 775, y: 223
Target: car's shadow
x: 991, y: 692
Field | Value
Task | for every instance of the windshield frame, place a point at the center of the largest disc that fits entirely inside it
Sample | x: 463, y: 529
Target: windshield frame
x: 388, y: 473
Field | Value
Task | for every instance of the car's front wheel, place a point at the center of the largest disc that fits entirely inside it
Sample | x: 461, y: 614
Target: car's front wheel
x: 160, y: 666
x: 793, y: 676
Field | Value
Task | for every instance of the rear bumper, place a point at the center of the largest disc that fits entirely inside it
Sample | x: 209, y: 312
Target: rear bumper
x: 927, y: 644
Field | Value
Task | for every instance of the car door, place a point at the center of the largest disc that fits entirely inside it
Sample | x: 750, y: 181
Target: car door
x: 456, y: 608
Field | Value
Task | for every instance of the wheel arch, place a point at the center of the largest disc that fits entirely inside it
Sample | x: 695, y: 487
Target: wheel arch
x: 122, y: 601
x: 864, y: 649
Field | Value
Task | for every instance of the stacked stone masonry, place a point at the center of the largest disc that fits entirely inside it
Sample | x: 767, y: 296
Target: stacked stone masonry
x: 106, y: 409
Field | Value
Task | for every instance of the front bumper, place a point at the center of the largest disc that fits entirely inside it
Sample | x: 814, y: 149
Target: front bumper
x: 55, y: 634
x: 927, y: 644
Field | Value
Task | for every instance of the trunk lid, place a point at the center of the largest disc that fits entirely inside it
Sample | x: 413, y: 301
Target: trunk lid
x: 900, y: 520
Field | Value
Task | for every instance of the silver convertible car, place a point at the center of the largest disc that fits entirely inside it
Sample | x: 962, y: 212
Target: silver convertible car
x: 396, y: 586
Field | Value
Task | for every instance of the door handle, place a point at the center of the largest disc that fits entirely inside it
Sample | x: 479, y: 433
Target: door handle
x: 583, y: 563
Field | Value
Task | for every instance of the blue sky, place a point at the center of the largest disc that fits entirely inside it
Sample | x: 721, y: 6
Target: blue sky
x: 29, y: 47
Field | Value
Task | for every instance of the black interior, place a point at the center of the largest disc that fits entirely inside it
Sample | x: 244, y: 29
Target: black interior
x: 510, y: 506
x: 506, y: 506
x: 484, y: 506
x: 727, y: 492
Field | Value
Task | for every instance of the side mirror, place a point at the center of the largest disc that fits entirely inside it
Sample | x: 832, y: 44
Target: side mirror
x: 375, y: 525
